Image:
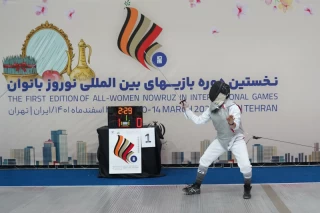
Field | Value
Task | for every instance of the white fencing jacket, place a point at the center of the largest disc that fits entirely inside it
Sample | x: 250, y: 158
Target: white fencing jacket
x: 225, y: 134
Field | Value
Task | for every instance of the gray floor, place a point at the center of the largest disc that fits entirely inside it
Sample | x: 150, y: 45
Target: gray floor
x: 283, y: 198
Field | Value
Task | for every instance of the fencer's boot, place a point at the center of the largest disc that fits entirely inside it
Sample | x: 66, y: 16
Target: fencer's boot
x: 247, y: 189
x: 195, y: 188
x: 192, y: 189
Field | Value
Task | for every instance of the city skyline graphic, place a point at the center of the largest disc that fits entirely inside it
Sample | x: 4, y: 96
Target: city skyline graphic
x: 259, y: 154
x: 54, y: 152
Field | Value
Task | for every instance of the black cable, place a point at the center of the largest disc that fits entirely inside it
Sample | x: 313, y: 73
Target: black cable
x: 249, y: 140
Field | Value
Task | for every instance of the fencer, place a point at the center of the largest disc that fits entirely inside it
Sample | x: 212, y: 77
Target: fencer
x: 226, y: 118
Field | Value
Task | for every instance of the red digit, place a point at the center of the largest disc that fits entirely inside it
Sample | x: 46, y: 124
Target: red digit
x: 139, y: 122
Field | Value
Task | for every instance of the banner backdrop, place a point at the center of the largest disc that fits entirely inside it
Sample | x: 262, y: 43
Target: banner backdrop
x: 152, y: 53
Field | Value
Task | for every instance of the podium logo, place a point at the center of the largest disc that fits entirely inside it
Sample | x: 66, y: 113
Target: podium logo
x: 136, y: 39
x: 123, y: 150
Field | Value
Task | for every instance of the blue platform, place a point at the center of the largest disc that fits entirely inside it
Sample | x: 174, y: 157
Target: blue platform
x: 174, y: 176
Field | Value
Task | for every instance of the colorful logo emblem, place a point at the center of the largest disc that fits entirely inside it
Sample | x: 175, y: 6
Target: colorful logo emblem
x: 123, y: 150
x: 137, y: 37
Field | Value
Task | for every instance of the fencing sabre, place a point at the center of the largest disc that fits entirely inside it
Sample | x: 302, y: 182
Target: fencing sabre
x: 280, y: 141
x: 270, y: 139
x: 3, y: 94
x: 181, y: 101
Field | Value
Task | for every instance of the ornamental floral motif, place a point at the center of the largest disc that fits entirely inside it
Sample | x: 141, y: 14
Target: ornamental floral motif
x: 282, y: 5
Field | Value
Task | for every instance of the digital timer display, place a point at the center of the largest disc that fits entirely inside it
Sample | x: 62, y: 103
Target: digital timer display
x: 124, y: 110
x: 125, y: 117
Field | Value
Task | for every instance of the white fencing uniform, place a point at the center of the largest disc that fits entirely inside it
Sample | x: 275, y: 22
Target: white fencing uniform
x: 227, y: 138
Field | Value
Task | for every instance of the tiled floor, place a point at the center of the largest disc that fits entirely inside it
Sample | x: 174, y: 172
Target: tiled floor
x: 282, y: 198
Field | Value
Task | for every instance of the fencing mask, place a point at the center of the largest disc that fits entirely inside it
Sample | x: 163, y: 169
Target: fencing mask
x: 218, y: 93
